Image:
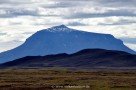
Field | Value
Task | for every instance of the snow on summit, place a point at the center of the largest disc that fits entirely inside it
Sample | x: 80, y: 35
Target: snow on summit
x: 59, y: 28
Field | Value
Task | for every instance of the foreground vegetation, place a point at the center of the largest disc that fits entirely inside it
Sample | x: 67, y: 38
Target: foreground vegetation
x: 43, y: 79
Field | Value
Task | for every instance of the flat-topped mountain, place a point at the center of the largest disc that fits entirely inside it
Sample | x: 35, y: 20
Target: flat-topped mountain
x: 61, y: 39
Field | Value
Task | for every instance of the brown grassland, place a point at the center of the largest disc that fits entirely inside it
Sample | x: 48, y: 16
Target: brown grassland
x: 64, y: 79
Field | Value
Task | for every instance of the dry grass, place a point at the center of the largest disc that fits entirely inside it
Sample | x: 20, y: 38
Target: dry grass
x: 41, y: 79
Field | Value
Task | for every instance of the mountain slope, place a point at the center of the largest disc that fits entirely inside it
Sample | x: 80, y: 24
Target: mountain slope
x: 61, y: 39
x: 88, y: 58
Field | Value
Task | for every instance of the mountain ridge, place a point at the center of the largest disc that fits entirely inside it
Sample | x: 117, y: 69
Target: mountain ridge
x: 61, y: 39
x: 87, y: 58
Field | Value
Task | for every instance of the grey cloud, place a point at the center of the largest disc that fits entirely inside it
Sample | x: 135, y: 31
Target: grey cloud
x: 104, y: 3
x: 14, y: 2
x: 13, y: 12
x: 76, y: 24
x: 15, y: 23
x: 28, y: 33
x: 120, y: 22
x: 46, y: 23
x: 60, y: 4
x: 72, y: 23
x: 4, y: 1
x: 117, y: 3
x: 1, y: 34
x: 109, y: 13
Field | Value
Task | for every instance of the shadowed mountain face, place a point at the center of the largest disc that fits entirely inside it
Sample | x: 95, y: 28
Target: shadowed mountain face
x: 61, y: 39
x: 88, y: 58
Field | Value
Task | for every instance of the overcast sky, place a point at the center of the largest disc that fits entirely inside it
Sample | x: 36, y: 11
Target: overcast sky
x: 21, y: 18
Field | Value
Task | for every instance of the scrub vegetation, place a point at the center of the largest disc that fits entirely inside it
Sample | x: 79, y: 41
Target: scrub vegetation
x: 65, y: 79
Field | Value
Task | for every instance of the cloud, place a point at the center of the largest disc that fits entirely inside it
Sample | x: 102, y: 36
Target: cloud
x: 1, y: 34
x: 76, y: 24
x: 60, y: 4
x: 14, y: 12
x: 21, y: 18
x: 108, y: 13
x: 103, y: 3
x: 64, y: 9
x: 14, y: 2
x: 119, y: 22
x: 117, y: 3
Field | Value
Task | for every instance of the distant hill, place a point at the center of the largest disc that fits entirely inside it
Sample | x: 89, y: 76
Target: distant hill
x: 87, y: 58
x: 61, y: 39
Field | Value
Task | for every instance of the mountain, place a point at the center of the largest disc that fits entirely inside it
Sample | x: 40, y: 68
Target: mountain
x: 87, y: 58
x: 61, y: 39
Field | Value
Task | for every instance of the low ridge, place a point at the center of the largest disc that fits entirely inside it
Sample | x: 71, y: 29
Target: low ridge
x: 88, y: 58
